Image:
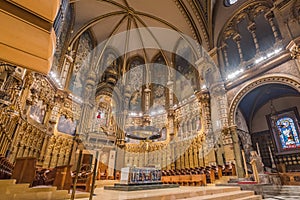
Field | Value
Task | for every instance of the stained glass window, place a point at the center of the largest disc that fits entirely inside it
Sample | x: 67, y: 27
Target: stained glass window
x: 284, y: 126
x: 287, y: 133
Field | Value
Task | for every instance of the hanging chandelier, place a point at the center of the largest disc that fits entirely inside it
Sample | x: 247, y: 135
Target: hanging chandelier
x: 144, y: 132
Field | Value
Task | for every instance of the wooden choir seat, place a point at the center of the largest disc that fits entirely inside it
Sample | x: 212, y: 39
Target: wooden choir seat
x: 227, y: 170
x: 175, y: 179
x: 233, y: 169
x: 6, y: 168
x: 198, y: 175
x: 219, y: 171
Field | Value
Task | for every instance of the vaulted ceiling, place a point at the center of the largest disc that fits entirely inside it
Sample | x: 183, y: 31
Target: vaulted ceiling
x: 106, y: 18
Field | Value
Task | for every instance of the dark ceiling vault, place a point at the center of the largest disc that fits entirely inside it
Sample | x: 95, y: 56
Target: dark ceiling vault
x: 260, y: 96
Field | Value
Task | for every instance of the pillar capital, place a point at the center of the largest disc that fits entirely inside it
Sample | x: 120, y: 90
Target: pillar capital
x: 237, y: 38
x: 252, y: 27
x: 269, y: 15
x: 203, y: 96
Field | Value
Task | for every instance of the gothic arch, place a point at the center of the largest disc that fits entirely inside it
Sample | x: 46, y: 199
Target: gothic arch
x: 280, y: 78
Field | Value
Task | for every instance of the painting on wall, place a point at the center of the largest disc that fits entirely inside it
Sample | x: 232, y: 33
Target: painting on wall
x: 38, y: 111
x: 285, y: 130
x: 66, y: 125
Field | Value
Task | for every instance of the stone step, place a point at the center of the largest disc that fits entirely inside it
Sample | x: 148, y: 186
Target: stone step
x: 102, y: 183
x: 281, y: 197
x: 236, y: 180
x: 61, y: 195
x: 295, y: 193
x: 41, y: 195
x: 181, y: 193
x: 80, y: 195
x: 14, y: 188
x: 43, y: 189
x: 253, y: 197
x: 5, y: 182
x: 282, y: 187
x: 33, y: 195
x: 223, y: 196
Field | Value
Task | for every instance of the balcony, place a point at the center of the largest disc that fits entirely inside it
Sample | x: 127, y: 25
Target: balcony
x: 27, y: 38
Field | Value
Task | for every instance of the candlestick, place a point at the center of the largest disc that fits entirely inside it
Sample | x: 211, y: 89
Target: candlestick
x: 257, y: 147
x: 245, y: 164
x: 271, y: 156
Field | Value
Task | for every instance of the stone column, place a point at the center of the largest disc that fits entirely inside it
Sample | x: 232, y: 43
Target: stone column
x: 68, y: 61
x: 196, y: 156
x: 44, y: 147
x: 237, y: 152
x: 177, y: 155
x: 237, y: 39
x: 222, y: 51
x: 252, y: 29
x: 270, y: 17
x: 182, y: 151
x: 186, y: 158
x: 191, y: 157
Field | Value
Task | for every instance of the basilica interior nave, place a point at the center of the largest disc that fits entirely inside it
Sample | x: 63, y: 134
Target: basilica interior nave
x: 102, y: 97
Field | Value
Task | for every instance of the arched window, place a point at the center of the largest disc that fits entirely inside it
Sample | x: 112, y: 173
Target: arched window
x: 287, y: 133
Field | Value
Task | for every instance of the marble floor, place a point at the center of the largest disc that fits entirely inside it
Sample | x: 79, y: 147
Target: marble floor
x: 170, y: 193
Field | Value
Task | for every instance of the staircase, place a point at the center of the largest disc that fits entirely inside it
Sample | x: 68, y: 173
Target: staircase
x: 9, y: 190
x: 219, y: 193
x: 282, y: 191
x: 235, y: 195
x: 181, y: 193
